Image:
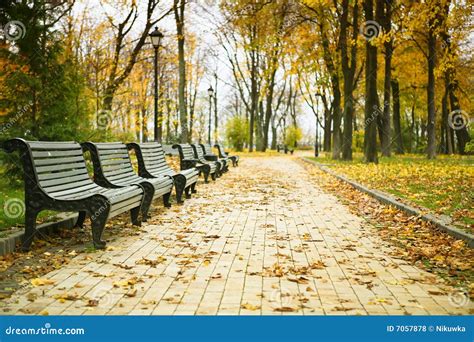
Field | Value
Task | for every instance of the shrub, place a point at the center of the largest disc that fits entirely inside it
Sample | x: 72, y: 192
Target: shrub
x: 293, y: 135
x: 237, y: 132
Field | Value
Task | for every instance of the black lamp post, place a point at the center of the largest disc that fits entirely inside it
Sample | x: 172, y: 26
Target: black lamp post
x: 155, y: 38
x: 210, y: 91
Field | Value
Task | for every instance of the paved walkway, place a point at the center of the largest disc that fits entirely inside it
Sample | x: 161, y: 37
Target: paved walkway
x: 263, y: 239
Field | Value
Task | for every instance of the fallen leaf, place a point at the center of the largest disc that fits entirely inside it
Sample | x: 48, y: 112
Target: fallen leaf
x: 299, y: 280
x: 132, y: 293
x: 251, y: 307
x: 285, y: 309
x: 92, y: 302
x: 42, y: 282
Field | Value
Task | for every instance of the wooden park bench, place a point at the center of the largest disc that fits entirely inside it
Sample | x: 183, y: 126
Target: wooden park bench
x: 56, y: 178
x: 284, y: 149
x: 152, y: 164
x: 223, y: 154
x: 209, y: 155
x: 113, y: 169
x: 188, y: 160
x: 199, y: 155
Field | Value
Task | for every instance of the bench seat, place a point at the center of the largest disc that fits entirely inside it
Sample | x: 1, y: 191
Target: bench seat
x: 152, y: 164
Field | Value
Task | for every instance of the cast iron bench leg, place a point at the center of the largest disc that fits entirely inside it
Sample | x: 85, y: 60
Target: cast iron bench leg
x: 80, y: 219
x: 100, y: 210
x: 149, y: 190
x: 166, y: 200
x: 135, y: 216
x: 187, y: 192
x: 30, y: 228
x: 180, y: 183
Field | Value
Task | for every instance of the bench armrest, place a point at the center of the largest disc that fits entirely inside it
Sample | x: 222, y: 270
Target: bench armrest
x: 188, y: 163
x: 211, y: 157
x: 190, y: 160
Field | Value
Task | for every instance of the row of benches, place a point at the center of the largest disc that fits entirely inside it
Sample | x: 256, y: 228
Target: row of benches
x: 284, y: 149
x: 56, y: 178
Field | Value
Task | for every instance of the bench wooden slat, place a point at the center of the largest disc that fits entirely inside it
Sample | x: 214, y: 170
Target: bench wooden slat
x: 67, y: 186
x: 58, y: 161
x: 62, y: 174
x: 50, y: 168
x: 61, y: 153
x: 37, y: 145
x: 64, y: 180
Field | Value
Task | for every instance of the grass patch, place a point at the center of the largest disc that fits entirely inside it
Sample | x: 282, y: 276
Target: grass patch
x: 444, y: 186
x: 12, y: 207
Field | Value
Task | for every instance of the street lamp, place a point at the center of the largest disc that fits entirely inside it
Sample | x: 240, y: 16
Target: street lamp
x: 155, y: 37
x: 210, y: 91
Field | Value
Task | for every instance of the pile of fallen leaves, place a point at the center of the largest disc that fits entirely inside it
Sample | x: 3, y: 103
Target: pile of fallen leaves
x: 53, y: 251
x: 412, y: 239
x: 443, y: 186
x: 173, y: 162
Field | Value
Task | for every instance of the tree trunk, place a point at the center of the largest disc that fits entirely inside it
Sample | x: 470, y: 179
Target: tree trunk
x: 254, y: 101
x: 412, y: 127
x: 397, y: 127
x: 371, y: 110
x: 144, y: 125
x: 327, y: 126
x: 431, y: 125
x: 336, y: 102
x: 160, y: 109
x: 348, y: 70
x: 179, y: 7
x: 268, y: 111
x: 451, y: 85
x: 462, y: 134
x: 216, y: 121
x: 388, y: 45
x: 336, y: 132
x: 274, y: 138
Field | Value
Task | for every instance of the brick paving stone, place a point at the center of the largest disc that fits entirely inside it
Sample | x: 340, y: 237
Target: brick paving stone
x: 241, y: 246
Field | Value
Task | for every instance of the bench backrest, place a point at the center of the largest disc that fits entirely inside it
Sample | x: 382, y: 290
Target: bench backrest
x: 221, y: 150
x: 169, y: 150
x: 55, y: 168
x: 198, y: 150
x: 185, y: 151
x: 111, y: 162
x: 207, y: 149
x: 153, y: 157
